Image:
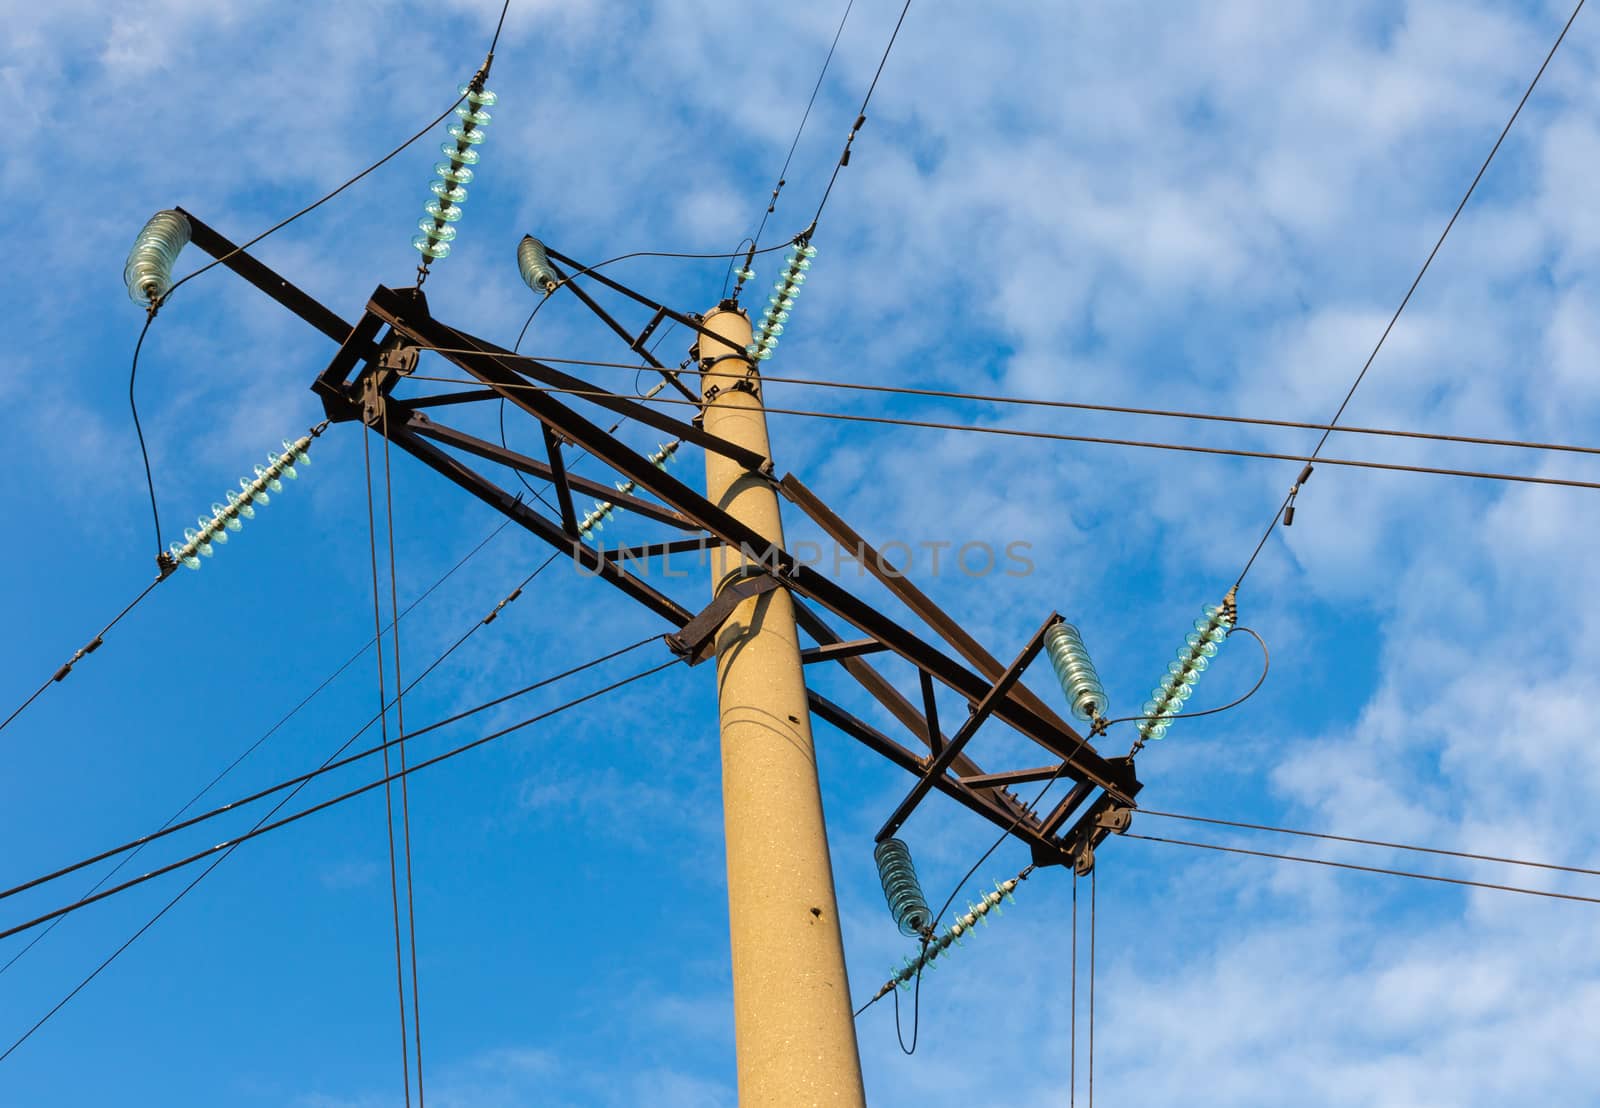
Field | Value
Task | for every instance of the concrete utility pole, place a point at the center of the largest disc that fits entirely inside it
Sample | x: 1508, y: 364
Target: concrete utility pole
x: 794, y: 1033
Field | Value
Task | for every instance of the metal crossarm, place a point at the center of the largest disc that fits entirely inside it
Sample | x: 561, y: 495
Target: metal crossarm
x: 990, y: 806
x: 589, y: 559
x: 970, y: 650
x: 694, y: 641
x: 494, y: 452
x: 969, y: 727
x: 267, y: 280
x: 685, y: 319
x: 511, y: 373
x: 558, y: 472
x: 377, y: 353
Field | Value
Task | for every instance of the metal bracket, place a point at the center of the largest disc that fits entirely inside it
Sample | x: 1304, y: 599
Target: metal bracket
x: 1116, y: 820
x: 708, y: 364
x: 1105, y: 817
x: 694, y: 641
x: 372, y: 399
x: 398, y: 356
x: 834, y: 652
x: 1111, y: 819
x: 742, y: 384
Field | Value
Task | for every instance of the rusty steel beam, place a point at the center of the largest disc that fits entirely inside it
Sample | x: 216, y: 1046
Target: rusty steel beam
x: 263, y: 277
x: 494, y: 452
x: 502, y: 501
x: 487, y: 363
x: 839, y: 651
x: 969, y: 727
x: 1013, y: 777
x: 987, y: 806
x: 967, y: 647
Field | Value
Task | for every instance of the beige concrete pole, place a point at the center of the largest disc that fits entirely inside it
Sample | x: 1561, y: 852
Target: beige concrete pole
x: 794, y: 1033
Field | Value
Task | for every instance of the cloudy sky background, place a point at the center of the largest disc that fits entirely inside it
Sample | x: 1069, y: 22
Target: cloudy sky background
x: 1208, y: 208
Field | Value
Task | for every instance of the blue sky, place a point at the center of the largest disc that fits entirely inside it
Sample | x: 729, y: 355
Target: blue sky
x: 1208, y: 208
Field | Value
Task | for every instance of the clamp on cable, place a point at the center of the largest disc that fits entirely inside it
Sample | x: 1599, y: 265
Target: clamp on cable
x: 1294, y: 491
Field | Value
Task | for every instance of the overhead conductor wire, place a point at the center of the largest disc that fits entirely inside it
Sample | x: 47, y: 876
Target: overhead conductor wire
x: 1094, y: 902
x: 351, y: 794
x: 772, y: 201
x: 388, y: 794
x: 295, y: 786
x: 1368, y: 869
x: 1052, y: 436
x: 1071, y: 405
x: 254, y: 746
x: 1384, y: 844
x: 1504, y: 131
x: 84, y: 651
x: 861, y: 116
x: 1032, y: 402
x: 157, y: 305
x: 405, y: 788
x: 138, y: 429
x: 333, y: 764
x: 263, y: 826
x: 1072, y: 1049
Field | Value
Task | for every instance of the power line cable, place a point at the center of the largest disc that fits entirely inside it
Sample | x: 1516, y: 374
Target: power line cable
x: 503, y: 443
x: 1072, y: 1050
x: 1439, y: 851
x: 332, y: 765
x: 313, y: 206
x: 157, y: 305
x: 728, y: 275
x: 298, y: 784
x: 1253, y: 421
x: 772, y: 202
x: 1073, y: 405
x: 861, y: 117
x: 1367, y: 869
x: 1361, y: 376
x: 256, y: 828
x: 251, y: 749
x: 405, y: 789
x: 1022, y: 814
x: 1266, y: 666
x: 1094, y: 911
x: 82, y: 652
x: 1051, y: 436
x: 388, y: 797
x: 138, y: 429
x: 755, y: 239
x: 505, y: 7
x: 340, y: 799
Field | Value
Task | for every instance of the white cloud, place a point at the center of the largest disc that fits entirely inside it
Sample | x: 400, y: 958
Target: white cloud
x: 1213, y: 209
